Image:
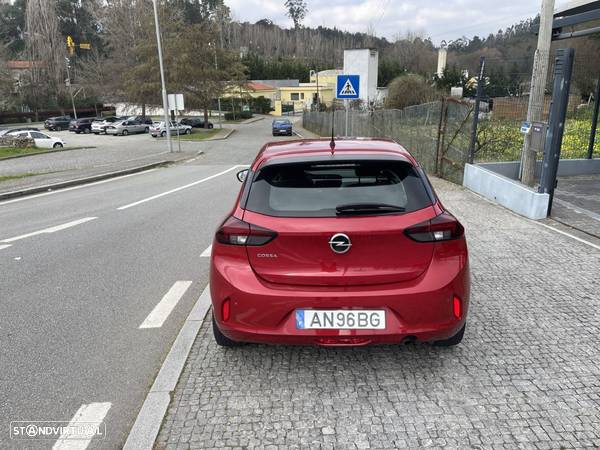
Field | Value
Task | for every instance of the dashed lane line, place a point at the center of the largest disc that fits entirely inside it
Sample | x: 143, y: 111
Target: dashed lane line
x: 50, y: 230
x: 163, y: 309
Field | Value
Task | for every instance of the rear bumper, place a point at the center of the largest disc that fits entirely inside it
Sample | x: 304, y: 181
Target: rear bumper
x: 265, y: 313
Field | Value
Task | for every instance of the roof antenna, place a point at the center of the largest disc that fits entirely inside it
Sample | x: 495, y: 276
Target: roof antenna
x: 332, y: 143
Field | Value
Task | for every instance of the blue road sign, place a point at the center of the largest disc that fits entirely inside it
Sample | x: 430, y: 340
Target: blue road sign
x: 348, y: 87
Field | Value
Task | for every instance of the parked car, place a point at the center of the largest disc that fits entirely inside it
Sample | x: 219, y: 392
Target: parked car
x: 196, y: 122
x: 282, y: 127
x: 142, y: 119
x: 159, y: 129
x: 126, y: 127
x: 42, y: 140
x: 99, y: 127
x: 57, y: 123
x: 6, y: 131
x: 83, y: 125
x: 338, y: 248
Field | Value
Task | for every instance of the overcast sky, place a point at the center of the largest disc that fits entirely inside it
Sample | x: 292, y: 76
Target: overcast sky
x: 438, y: 19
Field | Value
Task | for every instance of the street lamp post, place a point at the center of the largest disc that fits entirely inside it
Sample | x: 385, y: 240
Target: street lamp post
x: 70, y: 86
x: 218, y: 97
x: 162, y: 77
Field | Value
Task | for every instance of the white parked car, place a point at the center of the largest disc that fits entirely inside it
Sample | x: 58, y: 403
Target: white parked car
x: 159, y: 129
x: 42, y: 140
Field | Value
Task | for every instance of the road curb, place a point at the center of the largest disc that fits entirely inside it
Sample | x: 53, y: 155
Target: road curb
x: 6, y: 158
x: 149, y: 420
x: 78, y: 181
x: 252, y: 120
x: 221, y: 138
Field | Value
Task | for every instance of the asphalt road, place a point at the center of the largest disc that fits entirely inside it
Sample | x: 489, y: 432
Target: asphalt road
x: 81, y: 270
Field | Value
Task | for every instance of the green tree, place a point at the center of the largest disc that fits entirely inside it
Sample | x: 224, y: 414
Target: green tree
x: 409, y: 90
x: 202, y: 71
x: 12, y: 26
x: 297, y: 10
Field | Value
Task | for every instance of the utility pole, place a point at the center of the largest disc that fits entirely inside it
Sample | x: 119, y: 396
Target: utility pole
x: 539, y: 79
x: 162, y: 78
x: 480, y: 83
x: 590, y: 154
x: 68, y: 62
x: 219, y: 97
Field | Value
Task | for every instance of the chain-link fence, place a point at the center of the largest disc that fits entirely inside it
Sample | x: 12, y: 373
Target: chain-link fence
x: 436, y: 133
x: 499, y: 137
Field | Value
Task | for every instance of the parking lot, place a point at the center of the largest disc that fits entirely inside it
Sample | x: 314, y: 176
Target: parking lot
x: 526, y: 375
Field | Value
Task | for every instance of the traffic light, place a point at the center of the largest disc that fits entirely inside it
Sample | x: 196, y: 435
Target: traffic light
x: 70, y: 45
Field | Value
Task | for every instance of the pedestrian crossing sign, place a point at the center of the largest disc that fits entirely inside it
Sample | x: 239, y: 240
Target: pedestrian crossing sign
x: 348, y: 86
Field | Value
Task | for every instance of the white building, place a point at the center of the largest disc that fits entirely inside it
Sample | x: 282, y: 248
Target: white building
x: 363, y: 62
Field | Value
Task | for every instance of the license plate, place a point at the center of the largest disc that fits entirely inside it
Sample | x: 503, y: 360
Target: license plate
x: 340, y: 319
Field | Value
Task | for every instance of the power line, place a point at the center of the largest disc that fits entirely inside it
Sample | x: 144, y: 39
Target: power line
x: 469, y: 27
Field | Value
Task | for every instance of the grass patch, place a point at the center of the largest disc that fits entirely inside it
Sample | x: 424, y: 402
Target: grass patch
x: 18, y: 177
x: 198, y: 135
x: 7, y: 152
x: 14, y: 151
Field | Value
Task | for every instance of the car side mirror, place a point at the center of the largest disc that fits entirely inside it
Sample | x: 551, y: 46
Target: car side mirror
x: 242, y: 175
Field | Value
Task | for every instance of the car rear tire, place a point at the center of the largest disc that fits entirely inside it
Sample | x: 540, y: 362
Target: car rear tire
x: 163, y: 134
x: 220, y: 338
x: 188, y: 131
x: 57, y: 145
x: 147, y: 129
x: 210, y: 126
x: 57, y: 128
x: 454, y: 340
x: 86, y: 131
x: 125, y: 132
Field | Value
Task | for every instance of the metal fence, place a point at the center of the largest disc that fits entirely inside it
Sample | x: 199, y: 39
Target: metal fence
x: 436, y: 133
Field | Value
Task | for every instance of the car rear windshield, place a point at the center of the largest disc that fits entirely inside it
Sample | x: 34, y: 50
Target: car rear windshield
x: 320, y: 189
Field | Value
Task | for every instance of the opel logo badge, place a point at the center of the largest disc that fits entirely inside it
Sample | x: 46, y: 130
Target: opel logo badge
x: 340, y: 243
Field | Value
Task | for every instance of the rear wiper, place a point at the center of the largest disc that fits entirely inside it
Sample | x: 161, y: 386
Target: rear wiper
x: 367, y: 208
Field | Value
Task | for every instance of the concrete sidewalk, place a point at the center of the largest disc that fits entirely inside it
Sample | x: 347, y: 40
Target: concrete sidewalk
x: 526, y: 375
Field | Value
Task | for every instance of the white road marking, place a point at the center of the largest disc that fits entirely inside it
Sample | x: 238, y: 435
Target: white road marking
x: 161, y: 311
x: 206, y: 253
x: 583, y: 241
x: 577, y: 209
x: 58, y: 191
x: 172, y: 191
x: 90, y: 413
x: 54, y: 229
x: 2, y: 247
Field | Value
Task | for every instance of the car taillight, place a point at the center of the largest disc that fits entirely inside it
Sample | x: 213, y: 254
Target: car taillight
x: 444, y: 227
x: 457, y: 307
x: 226, y: 310
x: 237, y: 232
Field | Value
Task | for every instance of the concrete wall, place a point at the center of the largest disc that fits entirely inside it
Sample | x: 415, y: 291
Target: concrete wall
x: 566, y: 168
x: 506, y: 192
x: 363, y: 62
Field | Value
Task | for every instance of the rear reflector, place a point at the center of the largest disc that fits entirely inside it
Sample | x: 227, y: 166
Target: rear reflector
x: 444, y: 227
x: 234, y: 231
x: 457, y: 307
x: 226, y: 310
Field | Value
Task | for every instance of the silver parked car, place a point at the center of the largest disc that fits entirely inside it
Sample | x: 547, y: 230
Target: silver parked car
x: 99, y: 126
x: 127, y: 127
x: 159, y: 129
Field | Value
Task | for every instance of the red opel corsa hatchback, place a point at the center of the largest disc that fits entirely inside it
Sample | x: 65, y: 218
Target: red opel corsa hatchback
x: 342, y: 248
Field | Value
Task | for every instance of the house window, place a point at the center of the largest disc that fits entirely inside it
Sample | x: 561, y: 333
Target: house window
x: 302, y: 95
x: 295, y: 96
